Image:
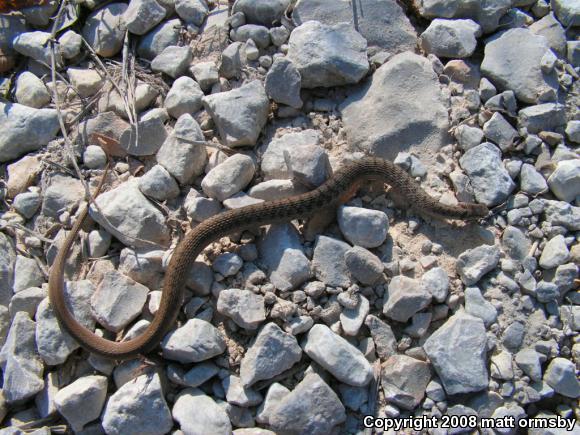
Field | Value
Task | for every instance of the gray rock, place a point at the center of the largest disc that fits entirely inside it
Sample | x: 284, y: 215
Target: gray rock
x: 365, y: 266
x: 229, y: 177
x: 564, y: 182
x: 477, y: 306
x: 147, y: 138
x: 35, y: 45
x: 158, y: 184
x: 363, y: 227
x: 142, y: 15
x: 468, y: 137
x: 237, y: 394
x: 568, y: 12
x: 283, y: 255
x: 515, y: 243
x: 276, y: 392
x: 227, y: 264
x: 127, y: 214
x: 474, y: 263
x: 279, y: 35
x: 457, y: 350
x: 502, y: 366
x: 243, y: 307
x: 382, y: 23
x: 192, y: 11
x: 7, y: 262
x: 258, y: 34
x: 405, y: 91
x: 352, y: 319
x: 308, y: 164
x: 531, y: 363
x: 206, y: 74
x: 70, y: 44
x: 118, y: 300
x: 272, y: 353
x: 183, y: 153
x: 162, y: 36
x: 561, y: 376
x: 239, y: 114
x: 542, y: 117
x: 27, y: 300
x: 145, y: 95
x: 213, y: 419
x: 64, y: 193
x: 21, y: 366
x: 198, y: 375
x: 265, y: 13
x: 274, y: 164
x: 94, y: 157
x: 173, y: 61
x: 233, y: 59
x: 240, y: 200
x: 512, y: 61
x: 312, y: 407
x: 328, y: 55
x: 573, y: 130
x: 451, y: 38
x: 509, y: 413
x: 105, y: 28
x: 531, y: 181
x: 406, y: 297
x: 99, y: 241
x: 195, y: 341
x: 27, y: 273
x: 404, y: 380
x: 200, y: 208
x: 513, y: 336
x: 184, y: 97
x: 82, y: 401
x: 55, y: 344
x: 138, y: 407
x: 555, y: 253
x: 383, y: 337
x: 491, y: 182
x: 553, y: 31
x: 25, y: 129
x: 500, y: 132
x: 271, y: 190
x: 436, y: 281
x: 283, y: 83
x: 328, y: 262
x: 31, y: 91
x: 561, y: 213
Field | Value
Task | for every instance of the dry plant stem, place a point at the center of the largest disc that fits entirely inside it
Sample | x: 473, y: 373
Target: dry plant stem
x: 338, y: 189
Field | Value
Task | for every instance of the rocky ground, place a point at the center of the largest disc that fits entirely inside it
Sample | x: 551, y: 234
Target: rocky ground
x: 296, y: 328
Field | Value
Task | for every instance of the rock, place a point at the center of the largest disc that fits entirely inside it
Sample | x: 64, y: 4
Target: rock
x: 404, y: 380
x: 64, y: 193
x: 344, y: 361
x: 436, y: 281
x: 206, y: 74
x: 458, y: 350
x: 27, y: 274
x: 512, y: 61
x: 328, y: 55
x: 531, y: 363
x: 561, y: 376
x: 200, y: 208
x: 279, y: 35
x: 237, y: 394
x: 158, y: 184
x: 35, y: 45
x: 553, y: 31
x: 199, y: 374
x: 513, y: 336
x: 573, y: 130
x: 192, y: 11
x: 259, y: 35
x: 239, y: 114
x: 184, y: 97
x: 328, y: 262
x: 27, y: 300
x: 554, y: 253
x: 565, y: 180
x: 515, y: 243
x: 406, y: 297
x: 173, y: 61
x: 283, y: 255
x: 352, y: 319
x: 272, y: 353
x: 127, y: 214
x: 568, y: 12
x: 500, y: 132
x: 54, y: 344
x: 86, y: 81
x: 512, y: 413
x: 27, y: 203
x: 195, y: 341
x: 229, y: 177
x: 276, y: 392
x: 312, y: 407
x: 25, y: 129
x: 118, y: 300
x: 468, y: 137
x: 31, y: 91
x: 363, y: 227
x: 477, y: 306
x: 491, y: 182
x: 142, y: 15
x: 7, y: 262
x: 12, y: 26
x: 365, y: 266
x: 274, y: 165
x: 164, y: 35
x: 213, y: 419
x: 138, y: 407
x: 283, y: 83
x: 70, y: 44
x: 474, y: 263
x: 21, y: 366
x: 82, y: 401
x: 243, y: 307
x: 383, y: 337
x: 227, y: 264
x: 532, y: 181
x: 561, y: 213
x: 105, y: 28
x: 233, y: 59
x: 183, y: 153
x: 542, y: 117
x: 451, y: 38
x: 382, y: 23
x: 502, y: 366
x: 405, y: 91
x: 265, y: 13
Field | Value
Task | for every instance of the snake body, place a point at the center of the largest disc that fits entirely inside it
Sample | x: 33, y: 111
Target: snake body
x: 336, y: 190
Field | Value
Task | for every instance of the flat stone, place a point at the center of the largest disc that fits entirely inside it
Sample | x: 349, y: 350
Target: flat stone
x: 184, y: 97
x: 105, y: 28
x: 512, y: 62
x: 564, y: 182
x: 328, y: 56
x: 553, y: 31
x: 31, y: 91
x: 195, y: 341
x: 477, y: 306
x: 515, y: 243
x: 363, y: 227
x: 274, y: 164
x: 213, y: 419
x: 173, y: 61
x: 283, y: 83
x: 82, y: 401
x: 344, y: 361
x: 259, y: 35
x: 531, y: 181
x: 383, y: 337
x: 406, y: 297
x: 27, y: 274
x: 205, y: 73
x: 451, y: 38
x: 400, y: 109
x: 404, y: 380
x: 502, y: 366
x: 457, y: 351
x: 561, y: 376
x: 272, y: 353
x: 474, y: 263
x: 436, y: 281
x: 276, y: 392
x: 243, y: 307
x: 155, y: 41
x: 27, y: 300
x: 365, y: 266
x: 158, y: 184
x: 239, y: 114
x: 352, y: 319
x: 265, y: 13
x: 35, y: 46
x: 542, y: 117
x: 555, y: 253
x: 192, y: 11
x: 142, y: 15
x: 239, y: 395
x: 500, y: 132
x: 531, y: 363
x: 328, y: 262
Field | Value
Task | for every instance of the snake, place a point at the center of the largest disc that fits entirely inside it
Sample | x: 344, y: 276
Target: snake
x: 336, y: 190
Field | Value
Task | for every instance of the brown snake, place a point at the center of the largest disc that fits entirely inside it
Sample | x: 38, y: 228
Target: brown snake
x: 333, y: 192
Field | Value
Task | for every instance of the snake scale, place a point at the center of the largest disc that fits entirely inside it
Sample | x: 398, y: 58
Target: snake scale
x: 336, y: 190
